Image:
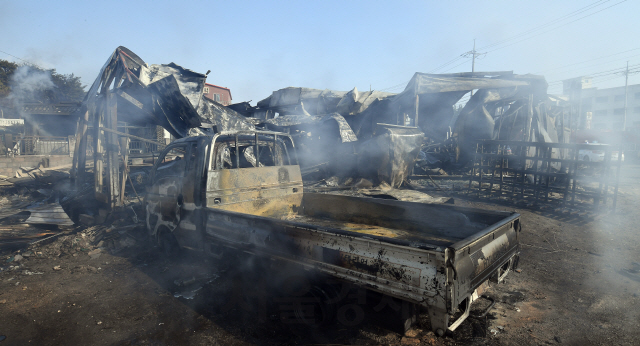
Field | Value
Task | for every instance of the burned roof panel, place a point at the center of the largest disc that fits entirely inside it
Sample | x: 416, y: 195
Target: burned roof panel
x: 167, y: 95
x: 423, y: 83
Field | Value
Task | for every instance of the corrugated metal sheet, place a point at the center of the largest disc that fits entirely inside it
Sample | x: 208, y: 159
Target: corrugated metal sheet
x: 49, y: 214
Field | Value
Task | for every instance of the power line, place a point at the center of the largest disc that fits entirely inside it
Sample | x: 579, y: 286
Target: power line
x: 577, y: 71
x: 599, y: 74
x: 16, y: 57
x: 610, y: 72
x: 464, y: 62
x: 446, y: 64
x: 542, y: 33
x: 582, y: 62
x: 524, y: 33
x: 475, y: 54
x: 403, y: 84
x: 394, y: 87
x: 555, y: 21
x: 597, y: 78
x: 608, y: 79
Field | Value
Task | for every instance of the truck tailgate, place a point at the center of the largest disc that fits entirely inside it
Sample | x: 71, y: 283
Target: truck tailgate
x: 489, y: 252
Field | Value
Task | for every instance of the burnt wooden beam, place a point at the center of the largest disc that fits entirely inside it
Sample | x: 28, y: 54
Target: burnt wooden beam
x: 112, y: 149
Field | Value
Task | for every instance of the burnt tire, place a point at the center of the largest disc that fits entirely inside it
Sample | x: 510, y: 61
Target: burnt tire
x: 317, y: 307
x: 168, y: 243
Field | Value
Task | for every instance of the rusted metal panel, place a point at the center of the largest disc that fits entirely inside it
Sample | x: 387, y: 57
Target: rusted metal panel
x: 275, y: 190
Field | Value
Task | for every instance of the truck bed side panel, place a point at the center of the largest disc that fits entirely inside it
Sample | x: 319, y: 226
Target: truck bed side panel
x: 404, y: 272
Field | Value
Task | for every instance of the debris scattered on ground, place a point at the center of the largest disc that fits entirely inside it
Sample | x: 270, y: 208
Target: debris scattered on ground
x: 412, y: 333
x: 405, y: 195
x: 409, y: 341
x: 191, y: 286
x: 95, y: 253
x: 49, y: 214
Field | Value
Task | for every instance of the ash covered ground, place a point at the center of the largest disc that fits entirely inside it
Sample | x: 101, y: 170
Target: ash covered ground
x: 578, y: 283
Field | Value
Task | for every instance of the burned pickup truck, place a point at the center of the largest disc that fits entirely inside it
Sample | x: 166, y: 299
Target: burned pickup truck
x: 242, y: 192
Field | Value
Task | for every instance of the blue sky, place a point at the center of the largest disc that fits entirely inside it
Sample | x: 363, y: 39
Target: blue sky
x: 256, y: 47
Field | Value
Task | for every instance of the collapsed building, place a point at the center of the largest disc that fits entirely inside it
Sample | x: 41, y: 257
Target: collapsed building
x: 349, y: 134
x: 505, y: 106
x: 129, y: 90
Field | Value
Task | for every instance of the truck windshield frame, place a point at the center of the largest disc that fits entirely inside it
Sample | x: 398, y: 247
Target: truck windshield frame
x: 251, y: 150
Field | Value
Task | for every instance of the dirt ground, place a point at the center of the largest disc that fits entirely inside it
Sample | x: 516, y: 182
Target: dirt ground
x: 579, y: 284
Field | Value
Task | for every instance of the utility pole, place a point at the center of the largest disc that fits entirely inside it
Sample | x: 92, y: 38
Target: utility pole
x: 473, y: 60
x: 626, y: 83
x: 626, y: 74
x: 473, y: 54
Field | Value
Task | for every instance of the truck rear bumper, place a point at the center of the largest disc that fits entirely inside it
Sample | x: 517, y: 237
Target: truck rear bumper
x: 440, y: 320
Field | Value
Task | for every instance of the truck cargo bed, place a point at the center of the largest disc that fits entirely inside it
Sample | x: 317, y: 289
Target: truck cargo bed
x: 416, y: 224
x: 371, y: 230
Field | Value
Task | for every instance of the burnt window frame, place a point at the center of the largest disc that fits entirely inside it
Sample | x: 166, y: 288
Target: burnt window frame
x: 162, y: 156
x: 262, y: 139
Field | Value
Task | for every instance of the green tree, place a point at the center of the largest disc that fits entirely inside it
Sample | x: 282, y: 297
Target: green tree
x: 69, y: 88
x: 66, y: 87
x: 7, y: 68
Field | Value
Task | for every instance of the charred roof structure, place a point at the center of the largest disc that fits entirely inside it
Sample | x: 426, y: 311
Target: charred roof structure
x: 504, y: 106
x: 168, y: 95
x: 129, y: 90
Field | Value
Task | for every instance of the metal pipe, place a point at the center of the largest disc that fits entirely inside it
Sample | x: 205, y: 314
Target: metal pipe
x: 132, y: 136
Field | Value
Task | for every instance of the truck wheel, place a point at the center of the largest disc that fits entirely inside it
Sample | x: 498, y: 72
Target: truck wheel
x: 168, y: 243
x: 318, y: 308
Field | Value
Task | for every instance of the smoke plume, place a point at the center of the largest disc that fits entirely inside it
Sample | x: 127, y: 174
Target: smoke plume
x: 30, y: 84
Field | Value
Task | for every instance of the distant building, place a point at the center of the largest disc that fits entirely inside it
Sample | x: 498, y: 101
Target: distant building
x: 606, y: 106
x: 575, y: 84
x: 217, y: 93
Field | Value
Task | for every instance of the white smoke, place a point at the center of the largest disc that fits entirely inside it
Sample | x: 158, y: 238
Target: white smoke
x: 27, y: 80
x: 27, y: 85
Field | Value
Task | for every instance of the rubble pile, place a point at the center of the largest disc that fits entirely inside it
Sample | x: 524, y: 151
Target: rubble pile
x: 90, y: 242
x: 43, y: 215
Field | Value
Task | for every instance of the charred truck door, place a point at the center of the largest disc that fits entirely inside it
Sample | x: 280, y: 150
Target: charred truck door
x: 253, y: 174
x: 172, y: 196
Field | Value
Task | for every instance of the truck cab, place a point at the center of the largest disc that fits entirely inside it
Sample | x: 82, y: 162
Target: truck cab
x: 254, y: 171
